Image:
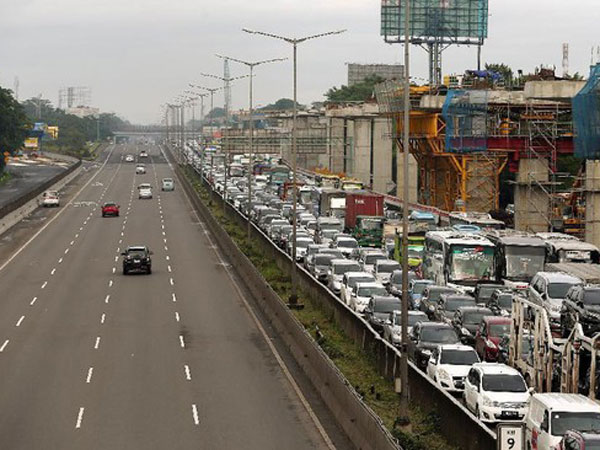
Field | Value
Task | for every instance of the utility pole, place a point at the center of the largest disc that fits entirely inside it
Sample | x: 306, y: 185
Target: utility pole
x: 251, y: 65
x: 293, y: 300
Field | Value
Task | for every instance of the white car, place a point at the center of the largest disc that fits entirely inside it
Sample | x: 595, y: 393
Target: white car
x: 302, y: 244
x: 449, y: 365
x: 349, y: 281
x: 392, y: 330
x: 549, y: 289
x: 168, y: 184
x: 50, y: 199
x: 140, y: 169
x: 129, y: 158
x: 338, y: 268
x: 368, y: 258
x: 345, y: 243
x: 362, y: 293
x: 143, y: 154
x: 496, y: 393
x: 144, y: 191
x: 383, y: 270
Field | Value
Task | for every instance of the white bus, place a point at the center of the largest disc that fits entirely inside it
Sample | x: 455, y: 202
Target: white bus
x: 457, y: 259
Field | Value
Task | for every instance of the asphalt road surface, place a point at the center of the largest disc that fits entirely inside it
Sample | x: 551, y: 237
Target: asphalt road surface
x: 93, y: 359
x: 27, y: 175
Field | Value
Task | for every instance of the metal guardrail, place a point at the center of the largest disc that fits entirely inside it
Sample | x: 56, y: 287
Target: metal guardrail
x: 455, y: 420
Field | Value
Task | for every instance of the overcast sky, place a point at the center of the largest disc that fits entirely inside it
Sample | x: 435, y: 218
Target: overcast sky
x: 137, y: 54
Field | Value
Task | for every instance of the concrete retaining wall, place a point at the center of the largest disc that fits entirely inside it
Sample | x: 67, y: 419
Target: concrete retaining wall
x: 456, y: 422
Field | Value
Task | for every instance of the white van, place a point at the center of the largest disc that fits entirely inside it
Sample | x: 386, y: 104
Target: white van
x: 550, y: 415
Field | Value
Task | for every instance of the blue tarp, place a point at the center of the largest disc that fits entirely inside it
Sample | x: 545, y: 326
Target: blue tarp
x: 586, y: 118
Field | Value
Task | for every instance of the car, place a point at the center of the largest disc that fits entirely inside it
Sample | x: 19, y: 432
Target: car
x: 488, y: 336
x: 582, y: 304
x: 383, y: 270
x: 580, y: 440
x: 425, y: 337
x: 416, y: 287
x: 137, y: 259
x: 337, y: 269
x: 496, y: 393
x: 129, y: 158
x: 392, y: 330
x: 168, y: 184
x: 302, y: 243
x: 548, y: 289
x: 483, y: 291
x: 145, y: 191
x: 368, y: 257
x: 448, y: 304
x: 466, y: 321
x: 110, y: 209
x: 449, y: 365
x: 349, y: 281
x: 379, y: 309
x: 362, y: 293
x: 320, y: 266
x: 50, y: 199
x: 431, y: 296
x: 501, y: 302
x: 311, y: 250
x: 140, y: 169
x: 345, y: 244
x: 395, y: 284
x: 552, y: 415
x: 143, y: 154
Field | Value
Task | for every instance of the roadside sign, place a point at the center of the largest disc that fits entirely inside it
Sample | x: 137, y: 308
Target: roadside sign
x: 511, y: 436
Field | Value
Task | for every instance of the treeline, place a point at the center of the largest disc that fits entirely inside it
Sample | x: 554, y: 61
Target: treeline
x: 74, y: 132
x: 14, y: 125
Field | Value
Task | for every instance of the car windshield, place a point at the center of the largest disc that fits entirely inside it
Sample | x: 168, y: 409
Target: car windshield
x: 435, y: 294
x: 397, y: 277
x: 454, y: 303
x: 415, y: 251
x: 503, y: 383
x: 329, y: 234
x: 591, y: 297
x: 413, y: 318
x: 505, y: 301
x: 167, y: 180
x: 581, y: 421
x: 387, y: 306
x: 363, y: 279
x: 439, y: 335
x: 369, y: 291
x: 347, y: 243
x: 323, y: 260
x: 387, y: 268
x: 371, y: 224
x: 302, y: 243
x: 471, y: 263
x: 341, y: 269
x: 499, y: 329
x: 475, y: 317
x: 459, y: 357
x: 418, y: 288
x: 109, y: 204
x: 485, y: 292
x: 558, y: 290
x: 372, y: 257
x: 522, y: 263
x: 136, y: 253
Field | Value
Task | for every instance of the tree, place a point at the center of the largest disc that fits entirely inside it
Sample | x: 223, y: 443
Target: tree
x: 216, y: 113
x: 575, y: 77
x: 358, y: 92
x: 283, y: 104
x: 13, y: 124
x: 504, y: 70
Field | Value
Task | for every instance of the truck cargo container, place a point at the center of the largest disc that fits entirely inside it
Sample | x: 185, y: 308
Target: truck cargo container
x: 362, y: 204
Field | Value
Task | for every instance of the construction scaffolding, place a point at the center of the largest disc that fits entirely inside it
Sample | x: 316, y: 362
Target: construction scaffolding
x: 74, y: 97
x: 466, y: 114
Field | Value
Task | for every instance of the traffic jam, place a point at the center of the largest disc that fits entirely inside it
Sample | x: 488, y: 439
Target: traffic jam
x: 504, y: 320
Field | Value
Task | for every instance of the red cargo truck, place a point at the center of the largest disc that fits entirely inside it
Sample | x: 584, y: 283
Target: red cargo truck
x: 364, y: 217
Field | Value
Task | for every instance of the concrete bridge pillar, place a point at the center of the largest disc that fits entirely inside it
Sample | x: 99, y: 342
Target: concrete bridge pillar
x: 532, y: 197
x: 592, y: 202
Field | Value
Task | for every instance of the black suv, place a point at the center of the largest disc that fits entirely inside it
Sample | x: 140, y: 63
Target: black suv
x: 425, y: 337
x: 582, y: 302
x: 137, y: 259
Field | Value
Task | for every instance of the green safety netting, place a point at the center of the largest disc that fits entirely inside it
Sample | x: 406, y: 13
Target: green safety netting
x: 586, y: 117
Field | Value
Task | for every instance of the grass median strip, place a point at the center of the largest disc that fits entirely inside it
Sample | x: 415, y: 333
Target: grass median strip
x: 357, y: 366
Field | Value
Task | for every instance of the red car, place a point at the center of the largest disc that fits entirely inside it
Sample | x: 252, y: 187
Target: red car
x: 490, y: 331
x: 110, y: 209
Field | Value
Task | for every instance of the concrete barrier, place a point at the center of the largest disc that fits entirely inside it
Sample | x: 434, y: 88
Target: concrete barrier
x: 456, y: 422
x: 17, y: 210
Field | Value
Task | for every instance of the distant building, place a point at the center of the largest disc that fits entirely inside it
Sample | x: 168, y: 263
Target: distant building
x: 83, y: 111
x: 358, y: 72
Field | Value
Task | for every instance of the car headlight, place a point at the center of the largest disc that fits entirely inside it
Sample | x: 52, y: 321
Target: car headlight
x: 431, y: 308
x: 444, y: 375
x: 465, y: 332
x: 426, y: 352
x: 485, y: 401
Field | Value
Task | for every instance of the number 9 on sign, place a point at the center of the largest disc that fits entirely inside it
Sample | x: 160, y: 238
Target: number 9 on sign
x: 510, y: 436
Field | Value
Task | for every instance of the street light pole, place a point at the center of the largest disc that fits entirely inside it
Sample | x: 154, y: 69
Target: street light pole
x: 251, y: 65
x: 294, y: 42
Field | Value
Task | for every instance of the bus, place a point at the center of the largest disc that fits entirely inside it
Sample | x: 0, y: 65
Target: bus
x: 352, y: 185
x: 564, y: 248
x: 458, y: 260
x: 323, y: 180
x: 519, y: 256
x: 483, y: 220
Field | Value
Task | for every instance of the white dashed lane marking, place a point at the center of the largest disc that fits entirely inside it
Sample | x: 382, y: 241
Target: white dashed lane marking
x: 97, y: 344
x: 195, y: 414
x: 33, y: 301
x: 188, y: 374
x: 79, y: 417
x: 44, y: 285
x: 181, y: 341
x: 4, y: 345
x: 18, y: 324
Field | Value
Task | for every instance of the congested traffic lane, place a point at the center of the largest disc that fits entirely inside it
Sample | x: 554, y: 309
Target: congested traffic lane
x: 171, y: 359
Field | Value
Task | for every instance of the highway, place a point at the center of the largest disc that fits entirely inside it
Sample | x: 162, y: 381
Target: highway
x: 93, y: 359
